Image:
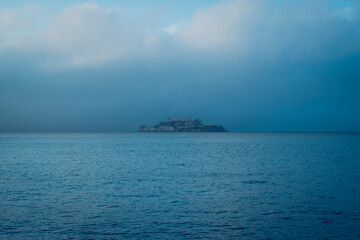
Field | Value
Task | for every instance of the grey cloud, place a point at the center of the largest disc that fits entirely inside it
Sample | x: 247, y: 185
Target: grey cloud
x: 285, y: 67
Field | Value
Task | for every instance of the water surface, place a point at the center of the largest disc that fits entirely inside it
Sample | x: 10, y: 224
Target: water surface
x: 180, y: 186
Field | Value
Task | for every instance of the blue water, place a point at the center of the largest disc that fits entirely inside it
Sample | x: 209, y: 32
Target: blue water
x: 180, y: 186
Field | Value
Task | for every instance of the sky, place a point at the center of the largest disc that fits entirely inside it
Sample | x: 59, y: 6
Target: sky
x: 249, y: 65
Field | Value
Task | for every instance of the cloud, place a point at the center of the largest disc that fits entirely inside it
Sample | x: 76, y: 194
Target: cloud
x: 91, y: 35
x: 296, y: 30
x: 18, y: 25
x: 88, y: 34
x: 81, y: 35
x: 174, y: 28
x: 288, y: 65
x: 221, y: 24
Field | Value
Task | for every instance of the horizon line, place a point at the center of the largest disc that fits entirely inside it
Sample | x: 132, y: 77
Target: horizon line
x: 14, y: 132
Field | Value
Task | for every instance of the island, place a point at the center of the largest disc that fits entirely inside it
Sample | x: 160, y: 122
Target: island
x: 182, y: 125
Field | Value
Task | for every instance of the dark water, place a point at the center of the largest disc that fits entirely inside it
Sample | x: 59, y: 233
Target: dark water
x: 180, y: 186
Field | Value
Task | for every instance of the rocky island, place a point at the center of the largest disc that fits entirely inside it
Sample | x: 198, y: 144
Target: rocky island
x: 182, y: 125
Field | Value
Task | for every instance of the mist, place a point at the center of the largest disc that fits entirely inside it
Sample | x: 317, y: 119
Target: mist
x: 289, y: 67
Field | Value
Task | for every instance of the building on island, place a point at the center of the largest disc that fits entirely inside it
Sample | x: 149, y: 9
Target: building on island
x: 182, y: 125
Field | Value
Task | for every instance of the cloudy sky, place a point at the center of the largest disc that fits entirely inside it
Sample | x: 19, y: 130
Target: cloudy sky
x: 249, y: 65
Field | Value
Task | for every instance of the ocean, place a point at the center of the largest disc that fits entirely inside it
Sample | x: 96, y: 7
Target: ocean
x: 179, y: 186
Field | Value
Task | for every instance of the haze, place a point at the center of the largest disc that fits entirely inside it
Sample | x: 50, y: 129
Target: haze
x: 249, y: 65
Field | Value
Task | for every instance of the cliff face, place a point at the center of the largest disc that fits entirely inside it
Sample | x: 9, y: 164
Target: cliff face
x: 182, y: 125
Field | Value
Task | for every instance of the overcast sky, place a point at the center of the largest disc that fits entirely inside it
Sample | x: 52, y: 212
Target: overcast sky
x: 249, y: 65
